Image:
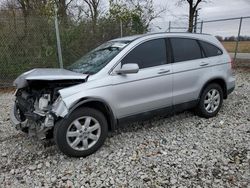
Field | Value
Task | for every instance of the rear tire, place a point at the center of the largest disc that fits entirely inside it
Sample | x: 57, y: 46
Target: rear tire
x: 82, y: 133
x: 210, y: 101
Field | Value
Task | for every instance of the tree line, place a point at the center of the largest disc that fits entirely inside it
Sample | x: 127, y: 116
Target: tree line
x: 135, y: 14
x: 27, y: 29
x: 233, y: 38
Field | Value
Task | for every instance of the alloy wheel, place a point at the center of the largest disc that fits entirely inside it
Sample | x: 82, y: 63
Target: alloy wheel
x: 83, y: 133
x: 212, y: 100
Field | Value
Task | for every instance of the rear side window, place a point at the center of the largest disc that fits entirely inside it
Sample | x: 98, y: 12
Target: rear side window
x: 185, y: 49
x: 149, y: 54
x: 209, y: 49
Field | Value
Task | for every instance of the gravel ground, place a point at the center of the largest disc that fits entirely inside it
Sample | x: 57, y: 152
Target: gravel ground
x: 179, y: 151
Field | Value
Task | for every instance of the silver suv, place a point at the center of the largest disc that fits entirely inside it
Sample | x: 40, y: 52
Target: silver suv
x: 122, y: 80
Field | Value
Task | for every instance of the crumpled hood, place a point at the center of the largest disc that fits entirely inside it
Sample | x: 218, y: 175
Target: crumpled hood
x: 49, y: 74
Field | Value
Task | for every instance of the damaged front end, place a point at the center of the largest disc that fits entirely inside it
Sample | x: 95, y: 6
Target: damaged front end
x: 32, y: 113
x: 38, y: 105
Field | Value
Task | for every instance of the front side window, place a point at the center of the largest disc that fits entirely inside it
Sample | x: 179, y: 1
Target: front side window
x: 98, y: 58
x: 185, y: 49
x: 149, y: 54
x: 209, y: 49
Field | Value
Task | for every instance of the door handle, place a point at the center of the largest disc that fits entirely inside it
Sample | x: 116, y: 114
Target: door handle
x: 163, y: 71
x: 204, y: 64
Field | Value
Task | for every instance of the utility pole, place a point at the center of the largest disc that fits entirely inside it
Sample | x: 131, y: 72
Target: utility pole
x: 238, y: 38
x: 58, y: 41
x: 121, y: 28
x: 201, y: 26
x: 196, y: 19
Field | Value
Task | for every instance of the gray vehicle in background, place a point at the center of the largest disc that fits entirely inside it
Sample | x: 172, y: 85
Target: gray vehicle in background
x: 123, y: 80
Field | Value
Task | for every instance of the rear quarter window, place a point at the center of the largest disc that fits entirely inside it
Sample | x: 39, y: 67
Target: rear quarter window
x: 210, y: 50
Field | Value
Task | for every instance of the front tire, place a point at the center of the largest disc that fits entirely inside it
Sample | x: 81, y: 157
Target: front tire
x: 82, y: 133
x: 210, y: 101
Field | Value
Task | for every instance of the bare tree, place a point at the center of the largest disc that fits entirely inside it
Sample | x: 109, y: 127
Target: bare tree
x: 63, y: 7
x: 25, y: 6
x: 93, y: 10
x: 139, y: 13
x: 149, y: 12
x: 193, y: 4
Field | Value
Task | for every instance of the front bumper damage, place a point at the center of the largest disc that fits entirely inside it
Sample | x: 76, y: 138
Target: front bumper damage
x: 38, y: 105
x: 39, y: 122
x: 15, y: 122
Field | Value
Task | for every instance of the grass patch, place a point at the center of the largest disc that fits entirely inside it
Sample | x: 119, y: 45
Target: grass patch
x: 244, y: 46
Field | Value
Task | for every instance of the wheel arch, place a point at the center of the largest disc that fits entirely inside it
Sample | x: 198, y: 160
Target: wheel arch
x: 219, y: 81
x: 98, y: 104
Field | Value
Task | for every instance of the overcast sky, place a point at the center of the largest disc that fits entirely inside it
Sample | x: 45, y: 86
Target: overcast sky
x: 214, y: 9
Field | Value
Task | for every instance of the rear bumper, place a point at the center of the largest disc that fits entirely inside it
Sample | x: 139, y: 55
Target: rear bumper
x: 230, y: 84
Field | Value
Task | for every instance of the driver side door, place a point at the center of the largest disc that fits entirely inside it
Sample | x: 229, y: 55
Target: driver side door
x: 149, y: 89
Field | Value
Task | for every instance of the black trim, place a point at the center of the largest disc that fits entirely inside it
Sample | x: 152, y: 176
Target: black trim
x: 184, y: 106
x: 170, y: 110
x: 171, y: 50
x: 115, y: 123
x: 215, y: 81
x: 86, y: 100
x: 168, y: 51
x: 203, y: 54
x: 229, y: 91
x: 144, y: 115
x: 201, y: 49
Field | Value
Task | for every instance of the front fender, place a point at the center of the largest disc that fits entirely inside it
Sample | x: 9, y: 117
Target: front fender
x: 92, y: 99
x: 62, y: 111
x: 59, y: 108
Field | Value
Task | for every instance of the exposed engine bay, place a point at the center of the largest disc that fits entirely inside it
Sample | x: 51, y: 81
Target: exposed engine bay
x: 33, y: 105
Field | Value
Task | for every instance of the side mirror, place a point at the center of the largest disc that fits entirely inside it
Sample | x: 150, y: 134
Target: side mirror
x: 129, y: 68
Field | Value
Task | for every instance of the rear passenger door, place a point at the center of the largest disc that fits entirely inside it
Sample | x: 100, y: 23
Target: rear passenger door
x: 188, y: 66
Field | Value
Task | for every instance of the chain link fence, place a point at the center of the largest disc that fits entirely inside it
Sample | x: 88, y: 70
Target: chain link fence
x: 32, y: 41
x: 77, y: 40
x: 24, y: 44
x: 234, y: 33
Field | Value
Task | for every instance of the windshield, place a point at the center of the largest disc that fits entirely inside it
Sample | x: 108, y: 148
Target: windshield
x: 98, y: 58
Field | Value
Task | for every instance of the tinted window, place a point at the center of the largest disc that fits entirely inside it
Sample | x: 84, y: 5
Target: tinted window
x: 148, y: 54
x: 185, y: 49
x: 210, y: 50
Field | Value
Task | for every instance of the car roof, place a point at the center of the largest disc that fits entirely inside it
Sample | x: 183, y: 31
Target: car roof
x: 163, y: 34
x: 128, y: 38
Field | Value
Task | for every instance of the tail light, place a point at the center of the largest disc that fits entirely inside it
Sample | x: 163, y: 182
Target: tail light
x: 232, y: 66
x: 232, y: 63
